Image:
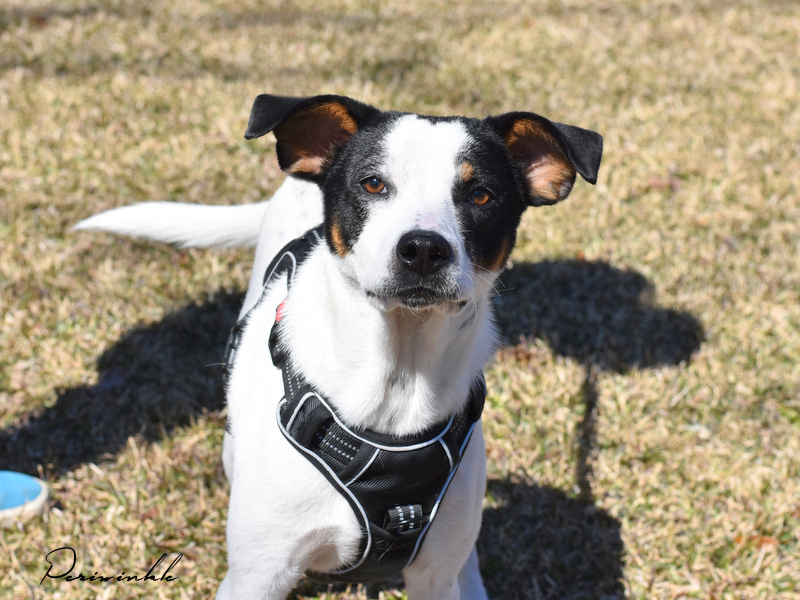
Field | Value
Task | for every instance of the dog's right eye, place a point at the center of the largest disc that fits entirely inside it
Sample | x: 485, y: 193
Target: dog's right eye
x: 480, y: 196
x: 373, y: 185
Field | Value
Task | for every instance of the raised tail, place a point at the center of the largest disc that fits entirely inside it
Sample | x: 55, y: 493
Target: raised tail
x: 185, y: 225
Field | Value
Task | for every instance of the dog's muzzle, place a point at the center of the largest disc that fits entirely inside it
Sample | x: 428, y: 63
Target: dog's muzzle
x: 423, y: 271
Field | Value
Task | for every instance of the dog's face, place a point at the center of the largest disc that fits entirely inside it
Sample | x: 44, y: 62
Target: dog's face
x: 423, y: 211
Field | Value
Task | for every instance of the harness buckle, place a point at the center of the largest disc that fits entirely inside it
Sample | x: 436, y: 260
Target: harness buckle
x: 405, y: 519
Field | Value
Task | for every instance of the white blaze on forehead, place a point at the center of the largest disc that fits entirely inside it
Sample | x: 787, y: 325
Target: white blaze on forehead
x: 421, y: 165
x: 423, y: 153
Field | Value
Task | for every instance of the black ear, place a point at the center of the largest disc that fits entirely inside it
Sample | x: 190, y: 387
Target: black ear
x: 549, y: 153
x: 308, y: 130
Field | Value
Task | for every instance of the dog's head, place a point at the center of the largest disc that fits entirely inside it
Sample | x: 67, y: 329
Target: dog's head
x: 423, y: 211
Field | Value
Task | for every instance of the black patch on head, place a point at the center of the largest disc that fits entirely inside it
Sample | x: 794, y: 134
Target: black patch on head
x: 346, y: 202
x: 489, y: 229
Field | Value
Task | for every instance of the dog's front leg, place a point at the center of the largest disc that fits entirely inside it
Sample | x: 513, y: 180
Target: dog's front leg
x: 258, y: 564
x: 283, y: 519
x: 237, y: 588
x: 470, y: 581
x: 437, y: 585
x: 447, y: 566
x: 255, y: 573
x: 262, y: 561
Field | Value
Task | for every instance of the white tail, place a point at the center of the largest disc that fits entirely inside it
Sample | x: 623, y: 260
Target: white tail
x: 185, y: 225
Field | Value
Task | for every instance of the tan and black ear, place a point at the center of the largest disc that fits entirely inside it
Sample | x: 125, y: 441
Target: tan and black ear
x: 550, y: 154
x: 308, y: 130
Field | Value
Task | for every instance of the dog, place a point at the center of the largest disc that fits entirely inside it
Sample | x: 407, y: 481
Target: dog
x: 379, y: 319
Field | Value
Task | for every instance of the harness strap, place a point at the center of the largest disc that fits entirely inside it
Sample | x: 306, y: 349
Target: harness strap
x: 285, y: 261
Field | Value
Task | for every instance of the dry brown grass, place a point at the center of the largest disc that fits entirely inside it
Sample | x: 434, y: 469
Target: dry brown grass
x: 644, y: 418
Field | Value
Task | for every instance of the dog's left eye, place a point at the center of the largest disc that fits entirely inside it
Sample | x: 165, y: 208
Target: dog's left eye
x: 373, y: 185
x: 480, y: 197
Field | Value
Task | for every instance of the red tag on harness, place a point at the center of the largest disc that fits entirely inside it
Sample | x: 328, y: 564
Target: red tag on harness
x: 279, y: 310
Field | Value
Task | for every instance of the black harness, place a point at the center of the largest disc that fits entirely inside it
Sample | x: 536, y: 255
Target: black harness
x: 393, y: 484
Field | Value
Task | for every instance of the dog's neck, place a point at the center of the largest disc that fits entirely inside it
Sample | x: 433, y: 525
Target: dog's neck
x: 394, y: 372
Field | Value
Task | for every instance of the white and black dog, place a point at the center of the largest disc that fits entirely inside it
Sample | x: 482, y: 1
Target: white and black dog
x: 355, y: 374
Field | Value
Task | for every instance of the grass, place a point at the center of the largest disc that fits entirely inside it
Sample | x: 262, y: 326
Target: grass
x: 643, y: 422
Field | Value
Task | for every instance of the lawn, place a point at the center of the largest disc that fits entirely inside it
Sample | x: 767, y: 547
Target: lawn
x: 643, y: 418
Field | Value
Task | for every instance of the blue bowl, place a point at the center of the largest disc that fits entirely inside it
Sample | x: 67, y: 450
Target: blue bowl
x: 21, y: 497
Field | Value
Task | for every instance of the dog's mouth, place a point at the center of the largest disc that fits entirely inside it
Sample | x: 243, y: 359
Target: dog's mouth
x: 419, y: 297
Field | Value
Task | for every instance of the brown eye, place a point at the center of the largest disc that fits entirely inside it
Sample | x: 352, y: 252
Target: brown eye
x: 480, y: 197
x: 373, y: 185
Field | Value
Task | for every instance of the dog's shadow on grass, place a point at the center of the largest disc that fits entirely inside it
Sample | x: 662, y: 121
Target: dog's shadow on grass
x: 593, y: 312
x: 602, y: 317
x: 155, y: 378
x: 539, y: 542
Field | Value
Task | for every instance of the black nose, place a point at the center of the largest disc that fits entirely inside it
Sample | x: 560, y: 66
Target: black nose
x: 423, y: 252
